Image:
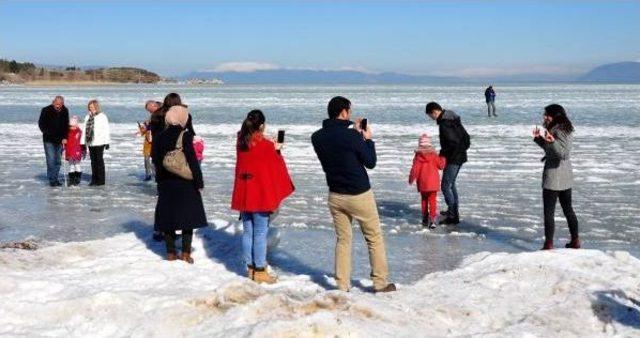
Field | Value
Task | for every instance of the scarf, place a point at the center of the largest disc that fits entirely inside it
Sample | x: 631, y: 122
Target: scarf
x: 89, y: 129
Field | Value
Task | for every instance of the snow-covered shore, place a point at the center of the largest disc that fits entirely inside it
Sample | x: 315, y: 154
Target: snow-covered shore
x: 121, y: 286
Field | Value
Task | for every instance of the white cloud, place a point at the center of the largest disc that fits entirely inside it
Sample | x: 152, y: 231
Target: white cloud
x: 245, y: 67
x: 253, y: 66
x: 507, y: 71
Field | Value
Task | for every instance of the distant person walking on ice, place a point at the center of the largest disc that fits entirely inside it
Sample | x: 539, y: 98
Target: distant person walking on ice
x: 426, y: 163
x: 54, y: 125
x: 454, y: 142
x: 96, y: 136
x: 490, y: 97
x: 74, y: 152
x: 344, y: 154
x: 261, y: 183
x: 557, y: 176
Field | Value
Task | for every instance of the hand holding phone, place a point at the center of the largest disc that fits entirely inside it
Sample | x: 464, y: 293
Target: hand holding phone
x: 365, y: 129
x: 536, y: 132
x: 281, y: 136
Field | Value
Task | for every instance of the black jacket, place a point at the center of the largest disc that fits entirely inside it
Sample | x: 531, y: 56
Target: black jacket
x: 179, y: 205
x: 454, y: 139
x: 344, y: 154
x: 54, y: 125
x: 157, y: 124
x: 164, y: 142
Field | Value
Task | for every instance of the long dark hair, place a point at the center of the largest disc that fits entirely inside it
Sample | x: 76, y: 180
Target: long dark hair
x: 559, y: 118
x: 172, y: 99
x: 255, y: 119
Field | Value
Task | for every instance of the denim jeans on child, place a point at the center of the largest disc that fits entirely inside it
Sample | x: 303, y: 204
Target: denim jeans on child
x: 53, y: 154
x: 254, y: 238
x: 448, y: 186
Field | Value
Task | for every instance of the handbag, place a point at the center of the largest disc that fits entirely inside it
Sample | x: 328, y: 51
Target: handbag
x: 176, y: 162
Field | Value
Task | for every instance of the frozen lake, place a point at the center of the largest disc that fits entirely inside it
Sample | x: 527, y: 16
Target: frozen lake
x: 499, y: 186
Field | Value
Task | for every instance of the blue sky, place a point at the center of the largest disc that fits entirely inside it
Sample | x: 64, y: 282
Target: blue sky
x: 467, y: 38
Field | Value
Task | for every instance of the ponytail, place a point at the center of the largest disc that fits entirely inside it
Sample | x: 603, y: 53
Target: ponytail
x: 255, y: 119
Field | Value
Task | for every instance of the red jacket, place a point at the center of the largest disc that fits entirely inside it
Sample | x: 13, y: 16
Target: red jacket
x: 262, y: 180
x: 73, y: 149
x: 425, y: 171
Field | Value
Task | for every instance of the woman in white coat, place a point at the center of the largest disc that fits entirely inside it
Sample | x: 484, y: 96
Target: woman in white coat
x: 97, y: 137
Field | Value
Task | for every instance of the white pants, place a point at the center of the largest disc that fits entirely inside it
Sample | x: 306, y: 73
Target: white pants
x: 74, y: 166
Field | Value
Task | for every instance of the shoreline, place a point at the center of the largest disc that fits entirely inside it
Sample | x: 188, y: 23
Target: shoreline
x: 505, y: 294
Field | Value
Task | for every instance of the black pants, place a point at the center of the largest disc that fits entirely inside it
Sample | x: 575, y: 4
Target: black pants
x: 549, y: 198
x: 97, y: 165
x: 170, y: 241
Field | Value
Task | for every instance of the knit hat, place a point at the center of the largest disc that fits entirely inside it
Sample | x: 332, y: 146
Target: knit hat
x: 177, y: 115
x: 424, y: 143
x: 73, y: 122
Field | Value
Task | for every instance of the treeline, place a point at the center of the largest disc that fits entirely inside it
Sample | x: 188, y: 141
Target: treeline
x: 17, y: 72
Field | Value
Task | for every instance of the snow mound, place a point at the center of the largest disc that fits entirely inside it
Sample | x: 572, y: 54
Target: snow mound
x: 121, y: 286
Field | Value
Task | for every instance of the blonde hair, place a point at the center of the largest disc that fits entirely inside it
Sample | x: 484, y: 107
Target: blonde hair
x: 95, y: 105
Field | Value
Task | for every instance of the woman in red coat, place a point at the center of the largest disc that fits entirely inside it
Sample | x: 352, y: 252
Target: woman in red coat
x: 424, y: 172
x: 261, y: 183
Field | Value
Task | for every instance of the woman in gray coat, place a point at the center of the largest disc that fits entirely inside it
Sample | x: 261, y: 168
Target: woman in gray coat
x: 557, y: 177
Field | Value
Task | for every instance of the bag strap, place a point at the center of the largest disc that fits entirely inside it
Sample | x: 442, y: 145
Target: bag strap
x: 179, y: 142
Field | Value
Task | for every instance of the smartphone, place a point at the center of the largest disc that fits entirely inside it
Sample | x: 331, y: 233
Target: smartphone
x: 281, y: 136
x: 363, y: 125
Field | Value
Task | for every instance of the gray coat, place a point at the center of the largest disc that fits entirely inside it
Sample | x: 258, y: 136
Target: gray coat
x: 558, y: 172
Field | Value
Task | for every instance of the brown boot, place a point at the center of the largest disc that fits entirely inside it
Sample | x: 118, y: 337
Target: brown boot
x: 574, y: 244
x: 250, y: 271
x: 186, y: 256
x: 260, y: 275
x: 171, y: 256
x: 548, y: 245
x: 389, y: 288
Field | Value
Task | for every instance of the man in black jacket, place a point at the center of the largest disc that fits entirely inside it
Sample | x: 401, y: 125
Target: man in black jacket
x: 54, y: 125
x: 344, y: 154
x: 454, y: 142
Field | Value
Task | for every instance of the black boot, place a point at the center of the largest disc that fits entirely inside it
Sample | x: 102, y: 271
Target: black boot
x: 426, y: 221
x: 450, y: 219
x: 70, y: 179
x: 78, y: 177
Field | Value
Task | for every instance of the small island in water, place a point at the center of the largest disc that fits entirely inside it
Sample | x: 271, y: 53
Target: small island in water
x: 13, y: 72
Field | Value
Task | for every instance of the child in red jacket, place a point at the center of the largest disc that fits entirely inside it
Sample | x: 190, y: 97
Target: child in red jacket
x: 424, y: 172
x: 73, y: 151
x: 198, y: 146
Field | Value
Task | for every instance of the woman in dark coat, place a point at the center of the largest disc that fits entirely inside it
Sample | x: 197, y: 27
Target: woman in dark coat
x: 179, y: 200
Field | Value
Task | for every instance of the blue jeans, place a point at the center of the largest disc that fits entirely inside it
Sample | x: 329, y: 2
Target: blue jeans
x: 254, y: 238
x: 448, y: 186
x: 53, y: 154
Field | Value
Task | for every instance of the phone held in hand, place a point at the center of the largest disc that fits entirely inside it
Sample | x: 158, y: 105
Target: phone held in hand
x: 281, y: 136
x: 363, y: 125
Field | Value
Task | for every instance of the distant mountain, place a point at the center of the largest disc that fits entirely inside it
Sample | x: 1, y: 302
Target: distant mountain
x: 621, y: 72
x: 305, y: 76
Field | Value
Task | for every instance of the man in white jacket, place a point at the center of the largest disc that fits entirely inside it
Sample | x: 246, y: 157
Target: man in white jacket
x: 97, y: 137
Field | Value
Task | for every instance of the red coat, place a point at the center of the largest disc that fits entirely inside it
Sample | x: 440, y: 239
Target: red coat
x: 425, y: 171
x: 262, y: 180
x: 73, y: 149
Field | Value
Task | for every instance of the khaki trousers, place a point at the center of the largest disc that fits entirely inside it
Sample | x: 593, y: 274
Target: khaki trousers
x: 344, y: 208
